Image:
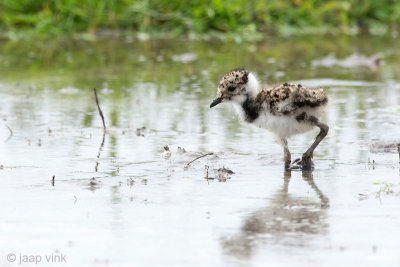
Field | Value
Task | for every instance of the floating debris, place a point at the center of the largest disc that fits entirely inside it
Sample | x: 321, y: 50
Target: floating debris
x: 167, y: 152
x: 223, y: 174
x: 384, y: 189
x: 385, y: 147
x: 371, y: 164
x: 140, y: 131
x: 130, y: 182
x: 94, y: 184
x: 225, y: 171
x: 208, y: 177
x: 181, y: 150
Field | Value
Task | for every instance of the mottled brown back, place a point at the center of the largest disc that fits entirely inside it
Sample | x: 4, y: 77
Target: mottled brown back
x: 298, y: 97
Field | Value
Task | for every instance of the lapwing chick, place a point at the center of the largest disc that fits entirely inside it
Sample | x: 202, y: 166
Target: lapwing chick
x: 284, y: 110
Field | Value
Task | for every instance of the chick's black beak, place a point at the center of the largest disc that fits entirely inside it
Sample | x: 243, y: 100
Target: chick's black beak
x: 216, y: 102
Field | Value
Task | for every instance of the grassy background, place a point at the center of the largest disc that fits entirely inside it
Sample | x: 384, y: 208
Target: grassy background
x: 199, y: 16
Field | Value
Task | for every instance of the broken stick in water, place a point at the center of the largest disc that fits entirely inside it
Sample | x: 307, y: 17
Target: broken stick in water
x: 199, y: 157
x: 98, y: 107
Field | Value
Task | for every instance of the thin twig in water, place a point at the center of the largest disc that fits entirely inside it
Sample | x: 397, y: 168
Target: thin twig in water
x: 104, y: 129
x: 11, y: 133
x: 98, y: 107
x: 100, y: 149
x: 199, y: 157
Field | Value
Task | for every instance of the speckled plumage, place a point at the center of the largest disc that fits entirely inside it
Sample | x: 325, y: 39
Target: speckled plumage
x: 284, y: 110
x: 235, y: 78
x: 288, y: 98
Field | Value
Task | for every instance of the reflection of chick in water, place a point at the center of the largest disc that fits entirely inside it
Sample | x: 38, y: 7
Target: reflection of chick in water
x: 286, y: 220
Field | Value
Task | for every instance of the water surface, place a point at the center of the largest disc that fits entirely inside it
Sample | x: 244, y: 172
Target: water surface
x: 147, y: 210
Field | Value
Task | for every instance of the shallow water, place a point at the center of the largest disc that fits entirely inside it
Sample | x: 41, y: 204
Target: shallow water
x: 144, y: 209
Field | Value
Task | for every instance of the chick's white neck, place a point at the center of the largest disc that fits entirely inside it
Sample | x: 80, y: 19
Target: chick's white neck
x: 252, y: 85
x: 250, y: 94
x: 251, y: 91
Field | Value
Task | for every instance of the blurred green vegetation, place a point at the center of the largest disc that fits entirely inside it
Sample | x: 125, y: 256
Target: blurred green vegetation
x: 122, y: 63
x: 243, y: 17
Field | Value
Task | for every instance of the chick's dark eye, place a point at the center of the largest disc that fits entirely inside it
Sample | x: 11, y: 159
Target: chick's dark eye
x: 231, y: 88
